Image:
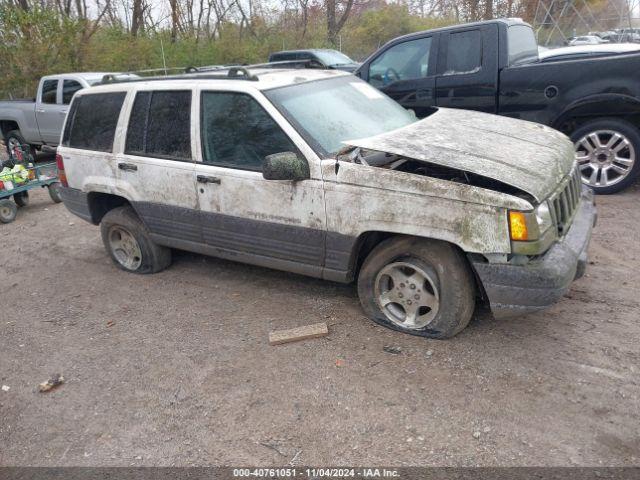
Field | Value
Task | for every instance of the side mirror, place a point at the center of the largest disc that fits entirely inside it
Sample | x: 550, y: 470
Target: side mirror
x: 285, y: 166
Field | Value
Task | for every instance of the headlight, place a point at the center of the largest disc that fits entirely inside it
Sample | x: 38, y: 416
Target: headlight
x: 531, y: 232
x: 529, y: 226
x: 543, y: 217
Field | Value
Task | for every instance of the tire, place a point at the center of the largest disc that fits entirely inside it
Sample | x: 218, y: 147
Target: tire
x: 54, y: 192
x: 8, y: 211
x: 443, y: 296
x: 607, y: 168
x: 14, y: 138
x: 21, y: 199
x: 129, y: 245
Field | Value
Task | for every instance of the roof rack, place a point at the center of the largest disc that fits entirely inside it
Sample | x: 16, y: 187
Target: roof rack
x: 236, y: 72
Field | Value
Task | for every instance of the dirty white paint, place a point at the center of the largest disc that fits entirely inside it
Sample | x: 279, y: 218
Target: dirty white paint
x: 526, y: 155
x: 351, y: 199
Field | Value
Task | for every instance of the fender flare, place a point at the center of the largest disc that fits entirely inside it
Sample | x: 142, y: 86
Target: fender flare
x: 600, y: 105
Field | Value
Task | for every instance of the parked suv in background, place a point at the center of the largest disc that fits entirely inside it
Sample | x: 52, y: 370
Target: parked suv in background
x: 431, y: 217
x: 493, y: 67
x: 323, y: 58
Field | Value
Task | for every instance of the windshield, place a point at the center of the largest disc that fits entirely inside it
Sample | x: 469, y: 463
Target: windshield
x: 328, y: 112
x: 332, y: 57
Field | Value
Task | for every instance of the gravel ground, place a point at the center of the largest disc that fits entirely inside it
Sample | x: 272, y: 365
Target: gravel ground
x: 175, y: 368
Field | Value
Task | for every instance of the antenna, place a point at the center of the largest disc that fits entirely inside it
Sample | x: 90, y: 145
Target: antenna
x: 164, y: 61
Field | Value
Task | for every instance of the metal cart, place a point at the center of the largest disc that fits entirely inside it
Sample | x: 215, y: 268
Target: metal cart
x: 23, y: 176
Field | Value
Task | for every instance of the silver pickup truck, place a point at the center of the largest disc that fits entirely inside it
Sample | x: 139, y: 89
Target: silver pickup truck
x: 39, y: 122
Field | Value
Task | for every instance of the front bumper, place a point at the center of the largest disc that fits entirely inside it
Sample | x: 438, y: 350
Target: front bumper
x: 520, y: 289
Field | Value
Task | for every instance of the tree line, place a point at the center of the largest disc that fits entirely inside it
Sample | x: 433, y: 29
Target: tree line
x: 39, y: 37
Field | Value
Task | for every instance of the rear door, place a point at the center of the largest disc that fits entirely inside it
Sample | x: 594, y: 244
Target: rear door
x: 155, y: 167
x: 50, y: 113
x: 468, y: 69
x: 406, y: 72
x: 274, y: 223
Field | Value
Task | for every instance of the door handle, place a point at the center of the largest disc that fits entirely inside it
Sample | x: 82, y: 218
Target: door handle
x: 207, y: 179
x: 63, y: 112
x: 128, y: 167
x: 41, y: 110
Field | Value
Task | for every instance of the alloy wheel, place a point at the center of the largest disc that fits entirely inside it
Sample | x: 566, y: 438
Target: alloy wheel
x: 407, y: 294
x: 605, y: 157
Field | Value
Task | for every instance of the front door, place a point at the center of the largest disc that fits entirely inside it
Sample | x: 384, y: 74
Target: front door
x: 405, y: 72
x: 273, y: 223
x: 155, y: 168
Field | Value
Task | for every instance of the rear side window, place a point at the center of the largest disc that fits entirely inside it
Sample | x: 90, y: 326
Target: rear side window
x: 523, y: 46
x: 91, y: 124
x: 49, y: 89
x: 405, y: 61
x: 464, y: 52
x: 160, y: 125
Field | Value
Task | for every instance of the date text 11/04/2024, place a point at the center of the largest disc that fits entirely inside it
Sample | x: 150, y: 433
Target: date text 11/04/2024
x: 316, y: 472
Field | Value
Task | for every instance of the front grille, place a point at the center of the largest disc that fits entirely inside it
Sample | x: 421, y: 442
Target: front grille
x: 563, y: 204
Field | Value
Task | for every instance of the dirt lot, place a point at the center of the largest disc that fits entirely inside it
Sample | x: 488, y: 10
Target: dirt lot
x: 175, y: 368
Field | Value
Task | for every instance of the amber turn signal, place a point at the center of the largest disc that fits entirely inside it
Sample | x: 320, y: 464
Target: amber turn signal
x: 518, y: 226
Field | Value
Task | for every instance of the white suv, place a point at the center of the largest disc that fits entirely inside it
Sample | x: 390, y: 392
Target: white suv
x: 318, y: 173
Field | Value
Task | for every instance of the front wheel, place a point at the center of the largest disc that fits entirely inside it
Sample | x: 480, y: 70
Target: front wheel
x: 8, y: 211
x: 607, y: 152
x: 417, y: 286
x: 129, y: 245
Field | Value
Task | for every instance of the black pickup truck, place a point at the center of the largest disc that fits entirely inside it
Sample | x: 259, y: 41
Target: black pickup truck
x: 493, y: 66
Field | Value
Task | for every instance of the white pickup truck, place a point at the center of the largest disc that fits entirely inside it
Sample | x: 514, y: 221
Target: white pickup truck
x: 37, y: 122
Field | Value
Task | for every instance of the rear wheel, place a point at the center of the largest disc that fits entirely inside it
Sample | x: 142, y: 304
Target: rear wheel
x: 607, y: 151
x: 417, y: 286
x: 15, y: 139
x: 21, y: 199
x: 129, y: 245
x: 54, y: 192
x: 8, y: 211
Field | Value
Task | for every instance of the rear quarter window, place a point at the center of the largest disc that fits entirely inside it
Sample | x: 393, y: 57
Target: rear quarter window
x: 91, y: 123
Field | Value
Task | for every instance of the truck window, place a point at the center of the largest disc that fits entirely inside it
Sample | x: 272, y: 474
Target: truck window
x: 464, y: 52
x: 69, y: 88
x: 91, y: 125
x: 523, y: 47
x: 49, y: 89
x: 160, y: 125
x: 238, y: 133
x: 403, y: 61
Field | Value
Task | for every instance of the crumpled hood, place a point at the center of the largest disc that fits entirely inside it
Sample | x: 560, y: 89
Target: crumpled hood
x: 525, y: 155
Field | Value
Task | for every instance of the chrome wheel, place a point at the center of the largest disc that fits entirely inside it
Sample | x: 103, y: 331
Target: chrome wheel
x: 605, y: 157
x: 125, y: 248
x: 407, y: 294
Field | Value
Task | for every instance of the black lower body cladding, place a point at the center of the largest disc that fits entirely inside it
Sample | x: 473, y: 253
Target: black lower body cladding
x: 77, y: 202
x: 520, y: 289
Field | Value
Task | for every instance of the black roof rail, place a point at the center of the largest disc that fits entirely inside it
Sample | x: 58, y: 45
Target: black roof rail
x: 236, y: 72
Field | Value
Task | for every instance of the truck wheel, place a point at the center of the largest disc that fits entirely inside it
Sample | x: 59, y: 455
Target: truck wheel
x: 8, y: 211
x: 607, y: 151
x: 54, y: 192
x: 21, y: 199
x: 14, y: 139
x: 128, y: 243
x: 417, y: 286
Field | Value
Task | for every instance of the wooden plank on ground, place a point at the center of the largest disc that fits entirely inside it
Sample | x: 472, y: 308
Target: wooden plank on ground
x: 299, y: 333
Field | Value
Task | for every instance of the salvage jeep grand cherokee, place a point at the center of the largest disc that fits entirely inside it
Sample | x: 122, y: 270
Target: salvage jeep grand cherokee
x: 318, y: 173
